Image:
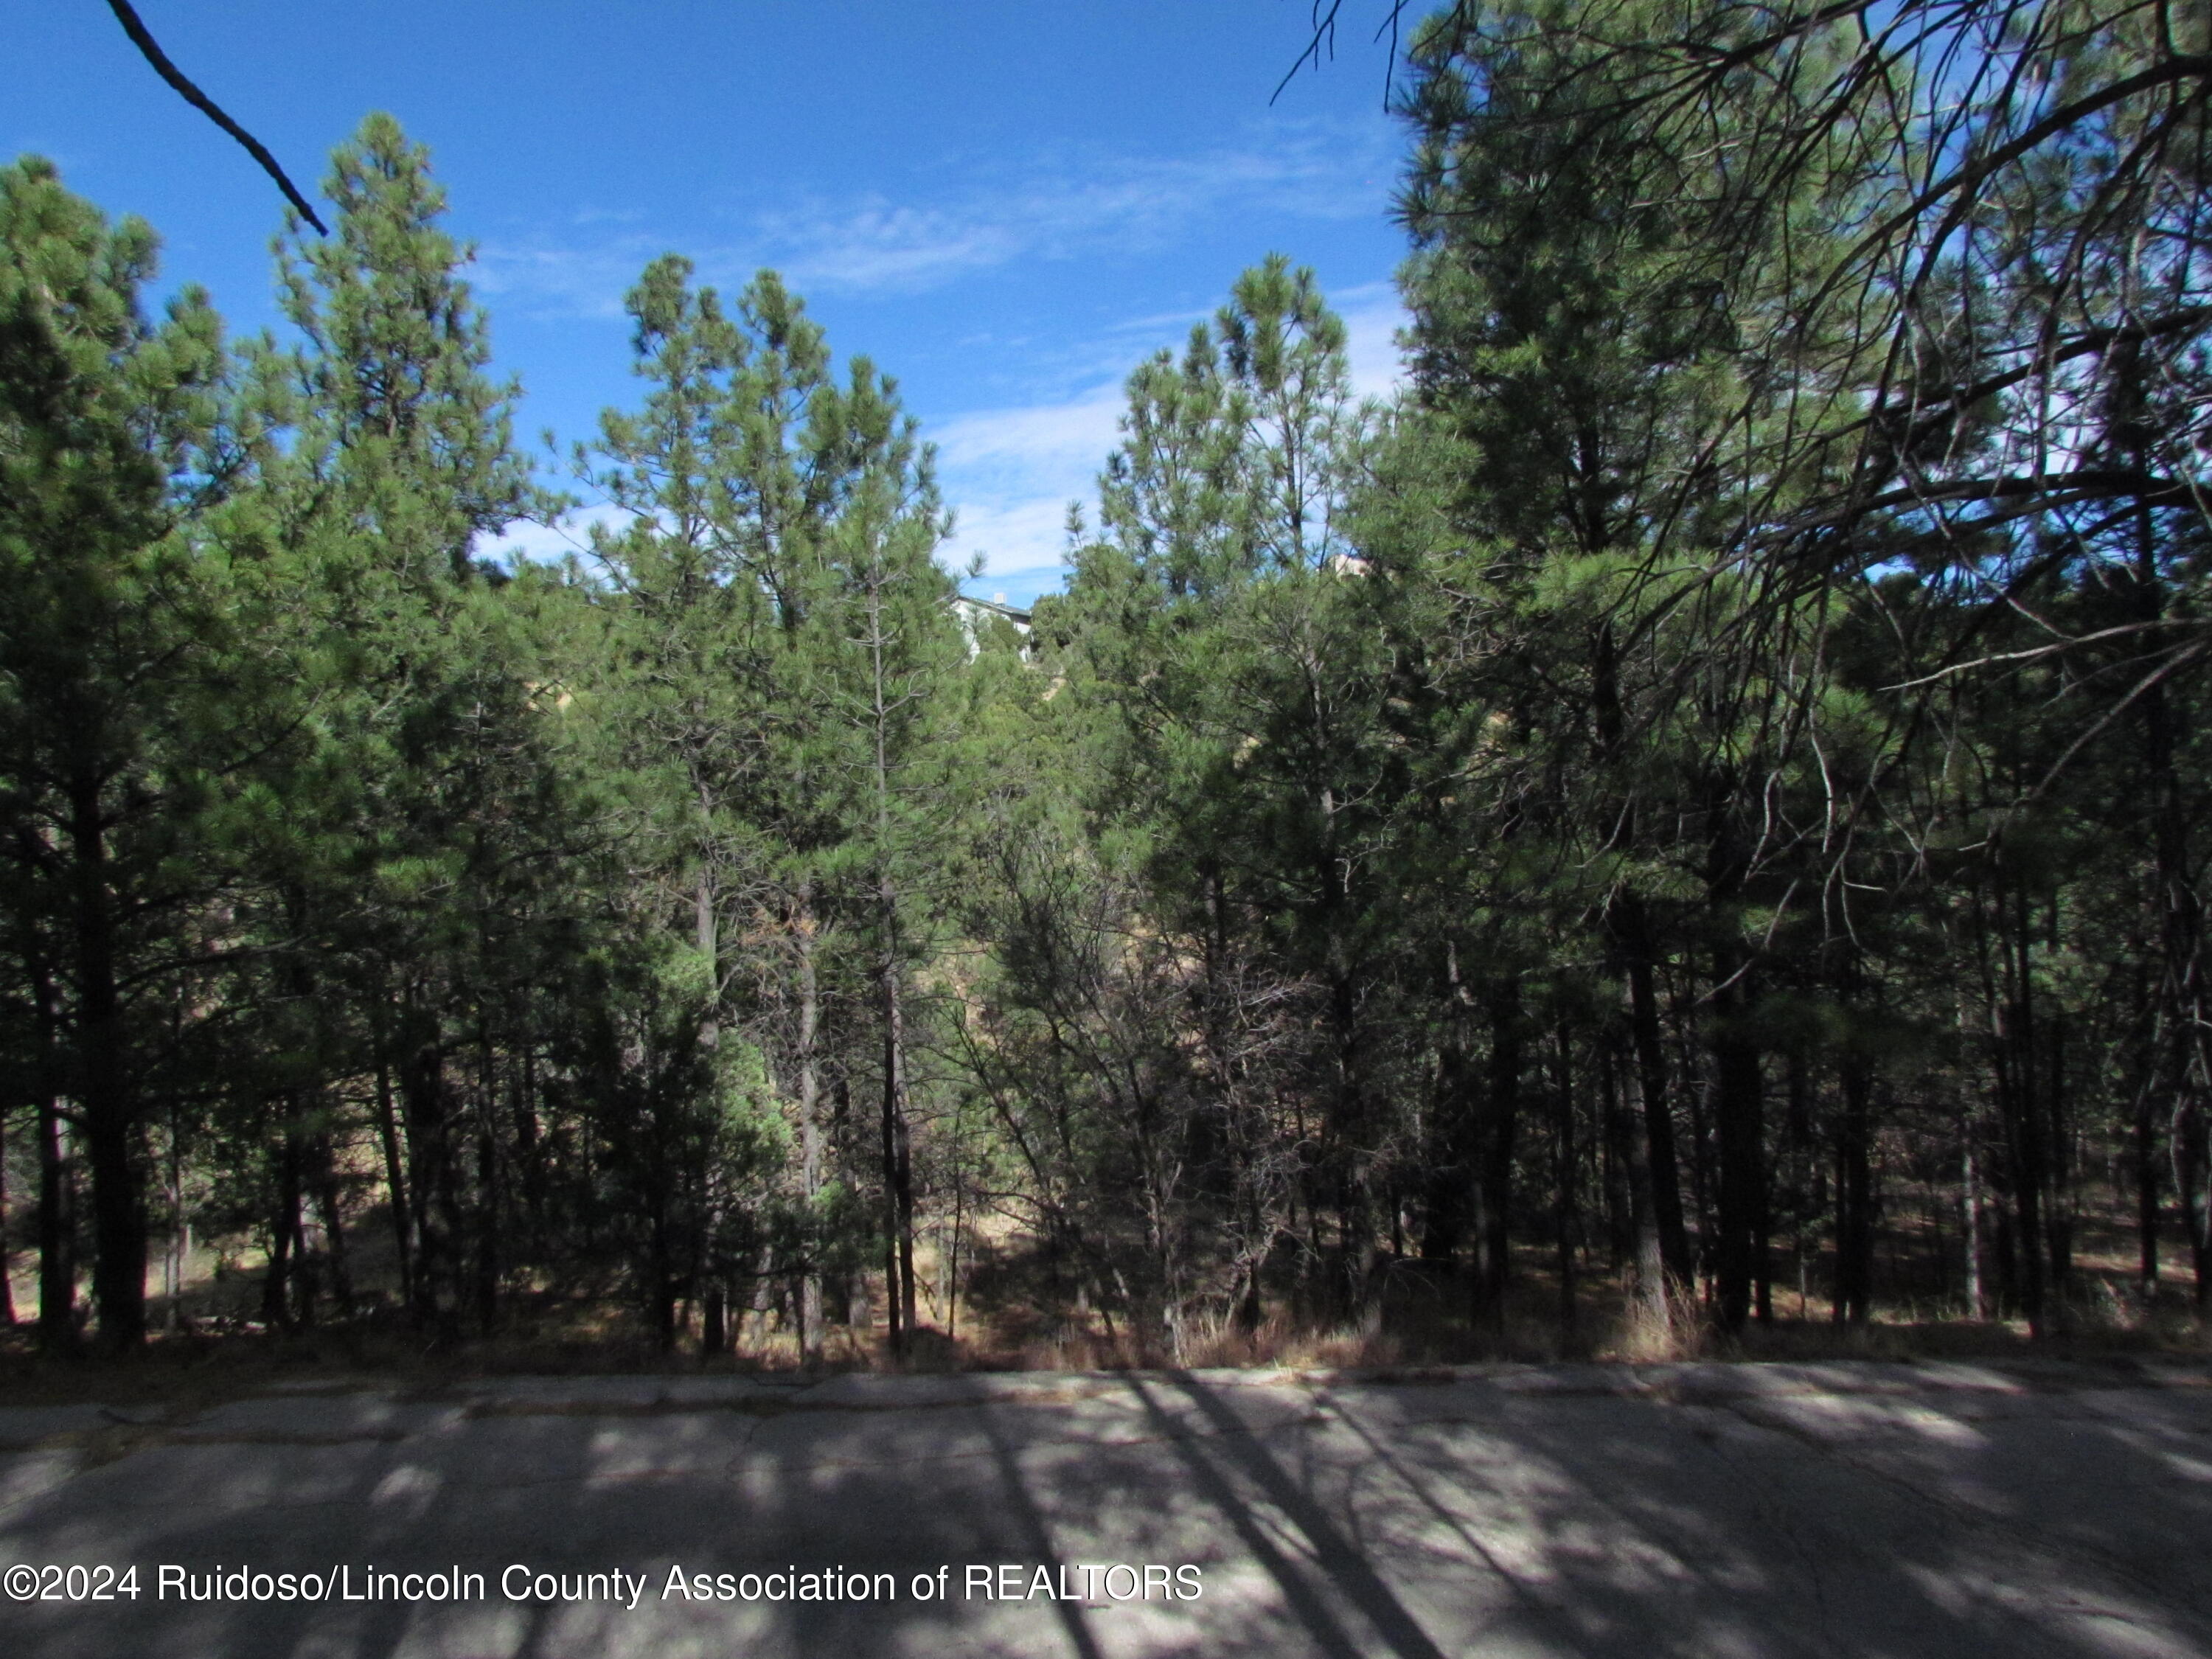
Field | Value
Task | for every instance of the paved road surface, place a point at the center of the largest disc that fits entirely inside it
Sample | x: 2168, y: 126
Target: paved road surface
x: 1611, y: 1512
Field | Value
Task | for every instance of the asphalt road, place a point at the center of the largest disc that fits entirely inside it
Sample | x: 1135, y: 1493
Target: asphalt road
x: 1696, y: 1510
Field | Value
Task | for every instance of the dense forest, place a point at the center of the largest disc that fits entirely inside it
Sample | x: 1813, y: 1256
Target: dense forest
x: 1694, y: 810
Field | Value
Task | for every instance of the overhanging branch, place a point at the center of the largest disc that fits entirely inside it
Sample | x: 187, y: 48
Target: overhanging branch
x: 150, y: 50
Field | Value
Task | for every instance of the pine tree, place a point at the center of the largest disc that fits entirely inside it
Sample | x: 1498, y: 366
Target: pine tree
x: 118, y: 717
x: 402, y: 844
x: 764, y: 607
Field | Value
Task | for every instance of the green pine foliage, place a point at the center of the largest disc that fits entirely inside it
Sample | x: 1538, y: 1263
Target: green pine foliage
x: 1688, y: 814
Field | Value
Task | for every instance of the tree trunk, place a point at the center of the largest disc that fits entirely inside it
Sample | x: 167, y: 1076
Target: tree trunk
x: 1614, y: 1132
x: 1854, y: 1291
x: 329, y: 1211
x: 2192, y: 1172
x: 56, y: 1231
x: 432, y: 1180
x: 1797, y: 1156
x: 283, y: 1235
x: 661, y: 1273
x: 2179, y: 1058
x: 488, y: 1224
x: 1970, y: 1205
x: 1494, y: 1184
x: 809, y: 1128
x: 2057, y: 1140
x: 1447, y: 1180
x: 108, y: 1106
x: 1653, y: 1283
x: 898, y: 1162
x: 178, y: 1257
x: 2146, y: 1189
x: 1566, y: 1164
x: 1664, y: 1187
x: 897, y: 1151
x: 395, y: 1180
x: 529, y: 1158
x: 2014, y: 1035
x: 1454, y: 1127
x: 849, y: 1138
x: 1738, y: 1133
x: 714, y: 1334
x: 1655, y: 1182
x: 7, y: 1248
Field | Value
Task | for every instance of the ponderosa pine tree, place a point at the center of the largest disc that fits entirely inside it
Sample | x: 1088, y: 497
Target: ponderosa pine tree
x: 120, y: 711
x: 1717, y: 763
x: 1578, y: 327
x: 415, y: 824
x: 1812, y: 289
x: 1240, y: 693
x: 766, y: 606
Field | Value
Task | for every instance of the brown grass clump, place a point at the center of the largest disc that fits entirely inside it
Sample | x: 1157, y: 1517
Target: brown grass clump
x: 1657, y: 1331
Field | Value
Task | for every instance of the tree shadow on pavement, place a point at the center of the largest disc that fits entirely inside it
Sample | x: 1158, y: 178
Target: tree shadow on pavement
x: 1580, y: 1511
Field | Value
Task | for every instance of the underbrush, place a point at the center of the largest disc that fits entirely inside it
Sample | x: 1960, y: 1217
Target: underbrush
x: 1427, y: 1320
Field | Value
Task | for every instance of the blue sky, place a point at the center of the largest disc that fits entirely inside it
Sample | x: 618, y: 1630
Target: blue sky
x: 1007, y: 205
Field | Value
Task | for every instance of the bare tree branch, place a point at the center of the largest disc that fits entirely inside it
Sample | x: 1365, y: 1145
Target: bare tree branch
x: 1323, y: 41
x: 150, y: 50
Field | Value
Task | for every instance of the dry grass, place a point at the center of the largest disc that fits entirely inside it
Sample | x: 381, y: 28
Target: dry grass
x: 1011, y: 1325
x: 191, y: 1370
x: 1649, y: 1331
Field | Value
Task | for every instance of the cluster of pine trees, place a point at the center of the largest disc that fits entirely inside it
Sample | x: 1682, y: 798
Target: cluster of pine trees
x: 1723, y: 748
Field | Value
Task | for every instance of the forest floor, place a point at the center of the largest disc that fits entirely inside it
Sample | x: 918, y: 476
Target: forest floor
x: 211, y: 1362
x: 2043, y: 1509
x: 209, y: 1343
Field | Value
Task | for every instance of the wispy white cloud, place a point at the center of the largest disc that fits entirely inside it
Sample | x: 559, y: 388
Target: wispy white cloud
x: 552, y: 282
x: 1010, y: 474
x: 549, y: 543
x: 1060, y: 211
x: 876, y: 244
x: 1023, y: 543
x: 1053, y: 208
x: 1076, y: 433
x: 1372, y: 315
